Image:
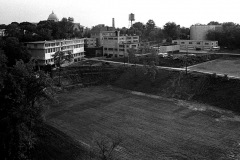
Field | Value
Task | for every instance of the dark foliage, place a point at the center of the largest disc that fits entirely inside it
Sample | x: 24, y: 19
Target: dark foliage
x: 21, y: 95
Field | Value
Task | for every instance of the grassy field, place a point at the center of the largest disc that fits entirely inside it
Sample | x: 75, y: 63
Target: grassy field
x: 150, y: 128
x: 220, y: 66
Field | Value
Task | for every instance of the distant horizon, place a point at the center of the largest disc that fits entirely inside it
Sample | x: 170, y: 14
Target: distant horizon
x: 93, y: 12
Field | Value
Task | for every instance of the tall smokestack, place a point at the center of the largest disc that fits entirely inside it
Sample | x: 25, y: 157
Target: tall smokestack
x: 113, y: 23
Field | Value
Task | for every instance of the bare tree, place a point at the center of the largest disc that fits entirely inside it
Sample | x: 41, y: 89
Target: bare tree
x: 60, y: 58
x: 104, y: 147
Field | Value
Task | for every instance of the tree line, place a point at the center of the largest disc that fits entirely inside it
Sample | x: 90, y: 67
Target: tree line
x: 228, y: 36
x: 44, y: 30
x: 150, y: 32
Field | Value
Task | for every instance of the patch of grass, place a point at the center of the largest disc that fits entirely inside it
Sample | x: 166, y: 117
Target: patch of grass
x: 150, y: 128
x: 54, y: 144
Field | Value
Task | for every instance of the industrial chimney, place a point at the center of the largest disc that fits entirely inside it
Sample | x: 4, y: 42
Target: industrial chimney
x: 113, y: 23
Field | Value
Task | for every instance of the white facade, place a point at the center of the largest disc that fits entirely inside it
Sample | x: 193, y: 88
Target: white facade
x: 43, y: 51
x: 167, y: 49
x: 199, y: 32
x: 117, y: 45
x: 196, y: 44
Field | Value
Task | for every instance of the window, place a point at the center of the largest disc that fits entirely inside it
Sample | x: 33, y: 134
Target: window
x: 190, y: 42
x: 105, y: 49
x: 110, y: 49
x: 175, y: 42
x: 198, y: 43
x: 35, y: 45
x: 182, y: 42
x: 121, y: 49
x: 206, y: 43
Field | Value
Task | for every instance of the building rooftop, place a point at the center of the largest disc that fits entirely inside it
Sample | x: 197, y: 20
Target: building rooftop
x: 52, y: 17
x: 52, y: 41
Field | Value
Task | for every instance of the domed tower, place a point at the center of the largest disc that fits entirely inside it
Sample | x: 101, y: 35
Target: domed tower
x: 52, y: 17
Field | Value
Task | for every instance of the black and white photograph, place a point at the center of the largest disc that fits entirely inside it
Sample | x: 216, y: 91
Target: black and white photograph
x: 119, y: 80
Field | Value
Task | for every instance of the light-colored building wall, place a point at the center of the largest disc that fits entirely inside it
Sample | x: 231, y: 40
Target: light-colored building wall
x: 90, y: 42
x: 118, y: 45
x: 199, y: 32
x: 196, y: 44
x: 167, y: 49
x: 44, y: 50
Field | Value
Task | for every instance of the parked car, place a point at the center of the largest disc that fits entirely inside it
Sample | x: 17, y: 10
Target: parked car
x: 163, y: 54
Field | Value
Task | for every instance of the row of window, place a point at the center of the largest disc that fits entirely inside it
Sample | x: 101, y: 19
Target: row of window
x: 78, y: 45
x: 50, y: 50
x: 74, y: 55
x: 52, y: 44
x: 62, y: 43
x: 206, y: 43
x: 113, y: 49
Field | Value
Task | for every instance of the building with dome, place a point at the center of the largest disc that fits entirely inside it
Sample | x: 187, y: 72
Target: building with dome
x: 52, y: 17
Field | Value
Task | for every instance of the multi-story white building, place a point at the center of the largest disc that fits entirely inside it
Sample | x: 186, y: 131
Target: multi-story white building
x: 117, y: 45
x: 196, y: 44
x: 43, y: 51
x: 100, y: 31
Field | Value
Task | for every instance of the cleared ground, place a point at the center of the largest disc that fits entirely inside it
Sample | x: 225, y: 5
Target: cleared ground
x: 220, y: 66
x: 151, y: 128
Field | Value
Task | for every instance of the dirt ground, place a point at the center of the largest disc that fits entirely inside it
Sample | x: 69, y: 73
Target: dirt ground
x: 151, y: 128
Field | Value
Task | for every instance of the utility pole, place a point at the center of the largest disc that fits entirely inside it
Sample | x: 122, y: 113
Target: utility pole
x: 186, y: 61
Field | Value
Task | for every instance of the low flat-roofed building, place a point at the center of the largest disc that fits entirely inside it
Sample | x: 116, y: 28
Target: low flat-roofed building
x: 167, y: 49
x: 196, y: 44
x: 43, y: 51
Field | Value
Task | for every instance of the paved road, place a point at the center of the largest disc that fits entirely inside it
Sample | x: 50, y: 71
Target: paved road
x: 190, y: 69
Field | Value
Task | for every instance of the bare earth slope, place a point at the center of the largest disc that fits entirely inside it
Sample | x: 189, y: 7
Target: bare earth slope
x: 151, y: 128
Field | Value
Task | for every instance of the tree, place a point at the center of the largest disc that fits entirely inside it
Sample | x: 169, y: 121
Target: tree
x: 3, y: 26
x: 15, y: 51
x: 150, y: 25
x: 184, y: 33
x: 228, y: 35
x: 59, y: 59
x: 171, y: 30
x: 21, y: 109
x: 104, y: 147
x: 132, y: 55
x: 13, y: 30
x: 139, y: 28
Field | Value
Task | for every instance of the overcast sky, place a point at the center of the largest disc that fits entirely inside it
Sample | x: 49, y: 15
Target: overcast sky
x: 92, y: 12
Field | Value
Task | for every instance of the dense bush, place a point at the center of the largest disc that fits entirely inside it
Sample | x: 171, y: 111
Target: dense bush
x: 211, y: 89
